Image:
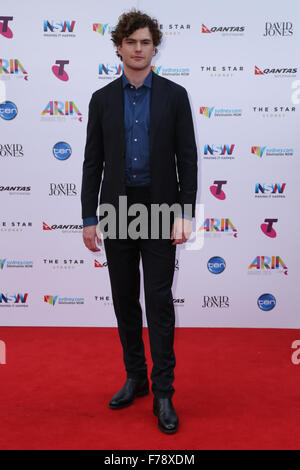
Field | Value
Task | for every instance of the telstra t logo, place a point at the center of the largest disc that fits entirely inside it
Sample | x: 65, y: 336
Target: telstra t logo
x: 217, y: 190
x: 4, y: 29
x: 59, y: 71
x: 267, y: 228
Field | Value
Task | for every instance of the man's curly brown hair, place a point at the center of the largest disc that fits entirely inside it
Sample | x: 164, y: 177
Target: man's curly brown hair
x: 130, y: 22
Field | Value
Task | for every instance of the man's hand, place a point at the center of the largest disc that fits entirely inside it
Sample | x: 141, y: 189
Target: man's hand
x: 181, y: 230
x: 89, y: 237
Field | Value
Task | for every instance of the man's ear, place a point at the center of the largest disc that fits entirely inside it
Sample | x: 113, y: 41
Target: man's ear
x: 118, y: 49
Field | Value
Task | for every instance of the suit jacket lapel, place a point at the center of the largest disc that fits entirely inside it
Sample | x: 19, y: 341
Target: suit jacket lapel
x: 157, y: 104
x: 117, y: 106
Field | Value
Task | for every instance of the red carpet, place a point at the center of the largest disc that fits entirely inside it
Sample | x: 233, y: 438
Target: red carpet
x: 235, y: 389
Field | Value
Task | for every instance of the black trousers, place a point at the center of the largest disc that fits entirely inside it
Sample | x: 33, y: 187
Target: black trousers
x: 158, y: 262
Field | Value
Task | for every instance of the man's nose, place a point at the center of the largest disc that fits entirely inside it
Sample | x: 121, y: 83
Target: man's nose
x: 138, y: 46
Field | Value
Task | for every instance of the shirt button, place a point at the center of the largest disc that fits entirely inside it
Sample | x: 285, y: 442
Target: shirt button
x: 135, y: 159
x: 135, y: 140
x: 134, y: 102
x: 134, y: 176
x: 136, y: 120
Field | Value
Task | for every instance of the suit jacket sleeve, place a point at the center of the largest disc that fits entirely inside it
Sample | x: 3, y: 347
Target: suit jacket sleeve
x: 186, y: 153
x: 93, y: 162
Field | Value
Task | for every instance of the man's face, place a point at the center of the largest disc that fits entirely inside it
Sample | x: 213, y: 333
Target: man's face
x: 138, y: 49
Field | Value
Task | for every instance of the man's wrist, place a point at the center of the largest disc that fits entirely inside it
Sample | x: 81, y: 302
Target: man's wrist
x: 184, y: 216
x: 88, y: 221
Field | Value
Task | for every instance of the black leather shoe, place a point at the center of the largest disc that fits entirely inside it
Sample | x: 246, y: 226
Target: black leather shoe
x: 167, y: 418
x: 132, y: 388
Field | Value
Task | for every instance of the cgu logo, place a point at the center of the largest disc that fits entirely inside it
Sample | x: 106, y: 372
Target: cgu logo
x: 270, y: 188
x: 13, y: 299
x: 59, y: 108
x: 268, y: 263
x: 59, y: 26
x: 12, y: 67
x: 2, y: 352
x: 218, y: 225
x: 218, y: 149
x: 110, y: 69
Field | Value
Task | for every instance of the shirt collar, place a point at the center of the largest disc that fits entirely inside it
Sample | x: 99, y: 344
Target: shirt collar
x: 147, y: 82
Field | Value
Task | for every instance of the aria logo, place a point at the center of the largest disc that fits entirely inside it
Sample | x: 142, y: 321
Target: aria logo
x: 217, y: 189
x: 59, y: 70
x: 268, y: 265
x: 266, y: 302
x: 4, y: 28
x: 216, y: 265
x: 61, y: 109
x: 268, y: 229
x: 12, y: 68
x: 218, y: 226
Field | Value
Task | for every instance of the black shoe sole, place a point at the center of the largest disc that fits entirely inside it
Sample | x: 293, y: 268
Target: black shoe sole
x: 166, y: 431
x: 137, y: 395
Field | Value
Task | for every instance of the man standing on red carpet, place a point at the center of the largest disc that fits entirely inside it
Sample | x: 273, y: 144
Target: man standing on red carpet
x: 140, y: 135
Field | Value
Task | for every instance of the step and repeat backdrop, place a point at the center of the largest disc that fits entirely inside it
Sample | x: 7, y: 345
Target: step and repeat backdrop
x: 240, y: 65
